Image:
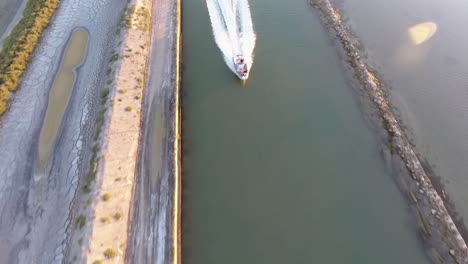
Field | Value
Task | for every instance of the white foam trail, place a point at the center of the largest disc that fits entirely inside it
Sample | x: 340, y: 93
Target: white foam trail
x: 232, y: 29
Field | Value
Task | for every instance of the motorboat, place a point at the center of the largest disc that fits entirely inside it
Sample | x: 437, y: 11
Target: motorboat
x: 241, y: 67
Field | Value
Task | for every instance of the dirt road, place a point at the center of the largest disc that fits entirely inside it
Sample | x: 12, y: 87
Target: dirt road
x: 151, y: 236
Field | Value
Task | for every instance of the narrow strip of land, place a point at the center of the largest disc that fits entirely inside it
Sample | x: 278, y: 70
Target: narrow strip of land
x: 156, y: 215
x: 116, y: 172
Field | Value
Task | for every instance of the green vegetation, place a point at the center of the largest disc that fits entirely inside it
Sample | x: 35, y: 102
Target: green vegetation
x: 110, y: 253
x: 106, y: 197
x: 20, y: 45
x: 128, y: 108
x: 100, y: 119
x: 118, y: 215
x: 80, y: 221
x: 143, y: 18
x: 140, y: 18
x: 104, y: 95
x: 86, y: 188
x: 98, y: 262
x: 105, y: 220
x: 114, y: 58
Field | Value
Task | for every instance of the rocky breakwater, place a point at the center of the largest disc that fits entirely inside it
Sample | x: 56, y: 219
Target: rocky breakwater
x: 441, y: 236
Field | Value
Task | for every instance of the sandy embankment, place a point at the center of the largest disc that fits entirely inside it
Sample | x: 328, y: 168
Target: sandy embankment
x: 155, y: 231
x: 441, y: 236
x: 116, y: 175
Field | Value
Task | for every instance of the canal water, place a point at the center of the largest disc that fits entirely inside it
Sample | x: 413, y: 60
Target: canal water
x: 283, y: 169
x: 429, y: 81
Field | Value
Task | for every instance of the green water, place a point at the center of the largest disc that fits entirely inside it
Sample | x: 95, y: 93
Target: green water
x: 429, y: 81
x: 283, y: 170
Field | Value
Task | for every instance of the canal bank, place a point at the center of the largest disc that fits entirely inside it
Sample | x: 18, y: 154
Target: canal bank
x: 443, y: 240
x: 155, y: 231
x: 284, y: 169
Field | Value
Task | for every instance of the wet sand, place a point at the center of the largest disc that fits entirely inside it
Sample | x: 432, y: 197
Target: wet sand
x: 38, y: 221
x: 36, y: 215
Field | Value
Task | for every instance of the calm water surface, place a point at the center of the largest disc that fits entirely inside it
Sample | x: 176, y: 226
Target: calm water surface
x: 283, y: 170
x: 429, y: 81
x: 59, y: 96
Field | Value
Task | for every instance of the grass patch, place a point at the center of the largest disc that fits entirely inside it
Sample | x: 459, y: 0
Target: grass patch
x: 128, y: 108
x: 117, y: 216
x: 110, y: 253
x: 86, y: 188
x: 104, y: 95
x: 20, y: 45
x: 105, y: 220
x: 80, y: 221
x: 122, y: 91
x: 114, y: 57
x: 106, y: 197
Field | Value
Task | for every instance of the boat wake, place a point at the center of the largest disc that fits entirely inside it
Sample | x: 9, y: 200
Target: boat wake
x: 233, y: 33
